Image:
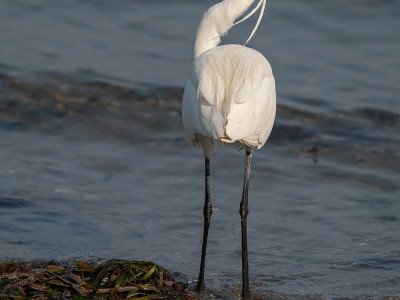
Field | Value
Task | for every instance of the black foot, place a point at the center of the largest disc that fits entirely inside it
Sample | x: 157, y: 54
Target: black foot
x: 200, y: 286
x: 245, y: 296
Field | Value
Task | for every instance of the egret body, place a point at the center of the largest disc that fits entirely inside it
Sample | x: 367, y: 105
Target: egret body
x: 229, y: 97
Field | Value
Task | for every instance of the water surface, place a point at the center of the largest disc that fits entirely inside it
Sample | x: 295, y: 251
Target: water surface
x: 95, y: 163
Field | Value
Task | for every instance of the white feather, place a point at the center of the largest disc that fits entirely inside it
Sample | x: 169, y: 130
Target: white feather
x: 216, y: 22
x: 230, y: 93
x: 263, y: 2
x: 250, y: 13
x: 258, y: 21
x: 229, y: 96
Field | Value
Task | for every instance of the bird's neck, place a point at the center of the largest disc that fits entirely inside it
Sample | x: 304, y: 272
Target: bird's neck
x: 216, y: 21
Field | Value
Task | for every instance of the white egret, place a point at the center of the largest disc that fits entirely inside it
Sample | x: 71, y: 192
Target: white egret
x: 229, y: 96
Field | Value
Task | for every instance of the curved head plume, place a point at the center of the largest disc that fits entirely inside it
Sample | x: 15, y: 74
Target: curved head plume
x: 262, y: 2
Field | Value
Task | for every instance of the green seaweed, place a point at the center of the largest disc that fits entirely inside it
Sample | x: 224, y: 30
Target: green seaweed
x: 114, y: 279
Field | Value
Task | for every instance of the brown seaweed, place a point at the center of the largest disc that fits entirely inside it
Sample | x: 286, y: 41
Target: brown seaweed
x: 114, y: 279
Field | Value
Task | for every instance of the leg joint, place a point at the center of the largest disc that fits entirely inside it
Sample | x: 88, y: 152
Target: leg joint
x: 244, y: 210
x: 207, y: 212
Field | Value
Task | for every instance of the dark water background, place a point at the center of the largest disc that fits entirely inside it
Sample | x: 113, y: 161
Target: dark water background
x: 95, y: 164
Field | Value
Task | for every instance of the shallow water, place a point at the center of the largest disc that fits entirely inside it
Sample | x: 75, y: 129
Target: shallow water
x: 95, y: 163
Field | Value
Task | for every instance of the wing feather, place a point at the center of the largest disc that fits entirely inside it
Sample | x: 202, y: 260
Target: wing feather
x: 230, y: 95
x: 251, y: 122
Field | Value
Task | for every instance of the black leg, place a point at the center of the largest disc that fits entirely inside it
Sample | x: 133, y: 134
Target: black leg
x: 243, y: 216
x: 207, y: 216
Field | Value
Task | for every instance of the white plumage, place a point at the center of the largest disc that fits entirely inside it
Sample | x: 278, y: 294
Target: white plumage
x: 230, y: 92
x: 229, y: 96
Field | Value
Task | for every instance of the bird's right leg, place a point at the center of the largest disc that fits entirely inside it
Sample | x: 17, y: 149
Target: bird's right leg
x: 206, y: 212
x: 243, y: 217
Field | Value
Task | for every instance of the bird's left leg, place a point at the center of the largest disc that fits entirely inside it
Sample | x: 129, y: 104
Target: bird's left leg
x: 207, y: 145
x: 243, y: 217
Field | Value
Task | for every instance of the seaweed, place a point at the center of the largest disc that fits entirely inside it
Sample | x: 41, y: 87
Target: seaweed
x: 114, y: 279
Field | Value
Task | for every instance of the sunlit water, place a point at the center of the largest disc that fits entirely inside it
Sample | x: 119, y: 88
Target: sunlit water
x: 95, y: 163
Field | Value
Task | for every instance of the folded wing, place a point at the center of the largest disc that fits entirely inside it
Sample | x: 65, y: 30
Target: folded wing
x: 230, y: 96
